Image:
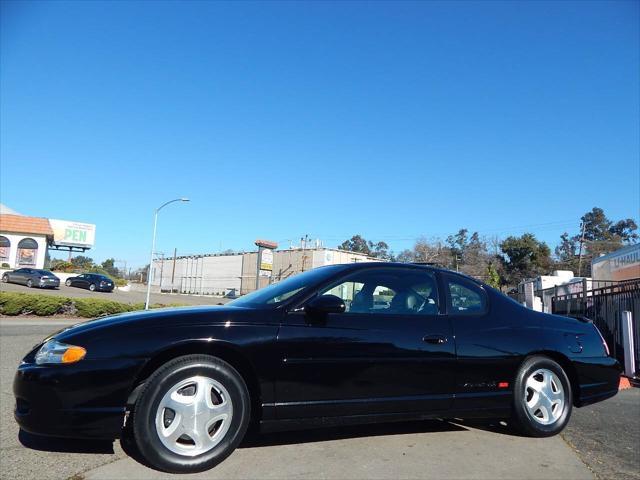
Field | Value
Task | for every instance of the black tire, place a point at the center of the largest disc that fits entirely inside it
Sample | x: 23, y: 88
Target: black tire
x: 92, y: 287
x: 68, y: 283
x: 522, y: 418
x: 145, y: 435
x: 5, y: 278
x: 30, y: 283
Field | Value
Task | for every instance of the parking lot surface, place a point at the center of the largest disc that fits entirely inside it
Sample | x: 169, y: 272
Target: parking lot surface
x: 430, y: 449
x: 117, y: 295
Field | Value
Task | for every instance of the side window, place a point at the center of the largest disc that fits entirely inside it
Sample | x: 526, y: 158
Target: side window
x: 465, y: 299
x: 388, y: 291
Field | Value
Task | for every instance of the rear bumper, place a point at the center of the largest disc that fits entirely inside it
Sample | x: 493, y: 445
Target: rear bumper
x: 598, y: 378
x: 84, y: 400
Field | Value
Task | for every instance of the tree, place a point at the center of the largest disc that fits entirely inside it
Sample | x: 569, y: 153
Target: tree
x: 356, y: 244
x: 492, y: 277
x: 626, y: 230
x: 457, y: 244
x: 406, y: 256
x: 109, y: 266
x: 425, y: 251
x: 525, y: 257
x: 601, y: 235
x: 567, y: 252
x: 82, y: 262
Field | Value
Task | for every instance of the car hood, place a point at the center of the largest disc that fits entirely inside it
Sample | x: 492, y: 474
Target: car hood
x: 165, y: 317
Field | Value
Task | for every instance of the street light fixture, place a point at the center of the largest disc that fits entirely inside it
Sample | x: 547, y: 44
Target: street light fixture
x: 153, y: 246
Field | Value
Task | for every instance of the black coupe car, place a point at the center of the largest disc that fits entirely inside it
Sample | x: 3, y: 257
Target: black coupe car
x: 335, y: 345
x: 32, y: 277
x: 91, y: 281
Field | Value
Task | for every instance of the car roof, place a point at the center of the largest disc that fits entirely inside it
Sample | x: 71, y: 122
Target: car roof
x: 433, y: 268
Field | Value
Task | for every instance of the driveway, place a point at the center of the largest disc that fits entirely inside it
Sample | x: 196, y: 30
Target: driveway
x: 429, y: 449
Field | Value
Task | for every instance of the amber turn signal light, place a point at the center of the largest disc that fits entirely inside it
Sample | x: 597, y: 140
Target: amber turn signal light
x: 73, y: 354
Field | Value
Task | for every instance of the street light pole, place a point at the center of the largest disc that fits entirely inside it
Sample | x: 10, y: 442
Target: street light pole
x: 153, y: 246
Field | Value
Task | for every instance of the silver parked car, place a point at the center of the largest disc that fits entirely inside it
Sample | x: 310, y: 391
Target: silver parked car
x: 32, y: 277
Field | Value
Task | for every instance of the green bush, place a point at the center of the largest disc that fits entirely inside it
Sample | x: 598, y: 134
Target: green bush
x: 30, y: 304
x: 92, y: 307
x: 46, y: 305
x: 120, y: 282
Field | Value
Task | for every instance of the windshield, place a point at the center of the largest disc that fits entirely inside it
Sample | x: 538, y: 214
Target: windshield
x: 277, y: 293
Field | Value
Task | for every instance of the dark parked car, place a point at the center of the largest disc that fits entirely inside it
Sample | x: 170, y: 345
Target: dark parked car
x: 187, y: 382
x: 32, y: 277
x: 91, y: 281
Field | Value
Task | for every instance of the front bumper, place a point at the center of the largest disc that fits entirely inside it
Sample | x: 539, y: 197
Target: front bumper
x: 83, y: 400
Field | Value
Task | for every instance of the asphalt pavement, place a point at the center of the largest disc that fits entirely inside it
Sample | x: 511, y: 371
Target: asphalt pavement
x: 118, y: 295
x: 599, y: 444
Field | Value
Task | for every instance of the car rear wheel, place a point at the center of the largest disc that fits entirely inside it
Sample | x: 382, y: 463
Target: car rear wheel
x: 191, y: 414
x: 68, y: 283
x: 542, y: 398
x: 92, y: 287
x: 30, y: 283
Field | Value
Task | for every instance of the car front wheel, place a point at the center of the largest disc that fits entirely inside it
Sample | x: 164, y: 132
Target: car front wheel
x: 542, y: 398
x: 191, y: 414
x: 68, y: 283
x: 5, y: 278
x: 92, y: 287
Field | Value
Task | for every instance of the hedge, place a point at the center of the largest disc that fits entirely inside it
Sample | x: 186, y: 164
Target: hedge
x: 47, y: 305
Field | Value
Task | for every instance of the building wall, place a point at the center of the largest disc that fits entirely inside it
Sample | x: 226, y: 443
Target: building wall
x: 236, y: 274
x: 205, y: 275
x: 291, y: 262
x: 15, y: 238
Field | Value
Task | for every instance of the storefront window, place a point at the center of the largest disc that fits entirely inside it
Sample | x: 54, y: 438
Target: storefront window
x: 5, y: 246
x: 27, y: 252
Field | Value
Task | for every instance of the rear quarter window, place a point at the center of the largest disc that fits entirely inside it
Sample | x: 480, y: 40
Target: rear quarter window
x: 465, y: 298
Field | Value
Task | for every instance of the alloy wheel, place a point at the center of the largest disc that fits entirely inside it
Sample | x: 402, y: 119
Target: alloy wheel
x: 544, y: 396
x: 193, y: 416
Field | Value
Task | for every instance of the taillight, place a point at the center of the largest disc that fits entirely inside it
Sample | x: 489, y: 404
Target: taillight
x: 604, y: 343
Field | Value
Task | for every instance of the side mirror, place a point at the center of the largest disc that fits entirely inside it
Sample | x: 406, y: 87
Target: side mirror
x: 323, y: 305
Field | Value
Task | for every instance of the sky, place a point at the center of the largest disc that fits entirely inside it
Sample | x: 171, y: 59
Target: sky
x: 392, y: 120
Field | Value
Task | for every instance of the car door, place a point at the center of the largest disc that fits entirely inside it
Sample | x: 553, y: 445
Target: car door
x: 17, y: 276
x: 25, y: 275
x: 486, y: 363
x: 83, y: 281
x: 369, y: 359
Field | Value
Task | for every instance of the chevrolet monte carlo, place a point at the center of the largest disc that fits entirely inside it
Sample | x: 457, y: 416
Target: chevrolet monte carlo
x: 341, y: 344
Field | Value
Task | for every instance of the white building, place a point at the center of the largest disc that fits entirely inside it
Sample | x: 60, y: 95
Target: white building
x: 539, y: 291
x: 235, y: 274
x: 23, y: 241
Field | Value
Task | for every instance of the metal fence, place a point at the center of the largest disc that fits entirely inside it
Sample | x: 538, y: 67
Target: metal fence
x: 604, y: 306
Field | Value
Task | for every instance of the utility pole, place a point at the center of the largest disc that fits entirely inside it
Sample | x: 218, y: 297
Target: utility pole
x: 580, y: 254
x: 173, y: 269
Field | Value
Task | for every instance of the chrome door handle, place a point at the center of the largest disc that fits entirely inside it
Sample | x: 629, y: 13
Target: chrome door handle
x: 435, y: 339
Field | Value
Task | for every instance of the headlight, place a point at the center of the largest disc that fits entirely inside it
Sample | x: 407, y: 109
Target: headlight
x: 56, y: 352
